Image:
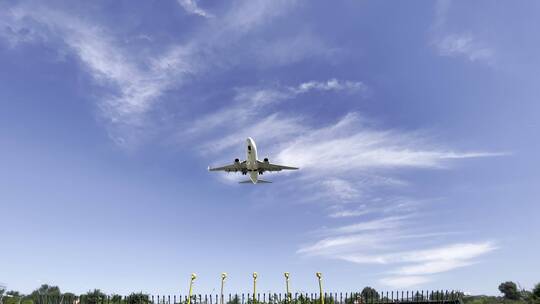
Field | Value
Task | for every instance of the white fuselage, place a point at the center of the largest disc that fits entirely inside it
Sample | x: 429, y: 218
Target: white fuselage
x: 251, y: 160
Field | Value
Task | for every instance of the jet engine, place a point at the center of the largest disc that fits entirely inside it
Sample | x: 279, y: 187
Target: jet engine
x: 266, y: 160
x: 236, y: 161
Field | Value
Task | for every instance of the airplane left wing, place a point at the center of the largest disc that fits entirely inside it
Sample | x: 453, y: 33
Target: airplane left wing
x: 266, y: 166
x: 237, y: 166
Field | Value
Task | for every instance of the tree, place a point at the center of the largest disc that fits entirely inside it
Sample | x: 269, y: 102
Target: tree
x: 510, y: 290
x: 536, y: 291
x: 93, y: 297
x: 534, y: 295
x: 68, y: 298
x: 46, y: 290
x: 234, y: 300
x: 418, y: 296
x: 369, y: 293
x: 137, y: 298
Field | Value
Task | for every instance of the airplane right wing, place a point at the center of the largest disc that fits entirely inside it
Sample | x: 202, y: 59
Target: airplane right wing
x: 235, y: 167
x: 266, y: 166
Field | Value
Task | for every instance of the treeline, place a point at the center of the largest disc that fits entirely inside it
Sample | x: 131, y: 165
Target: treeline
x: 511, y: 294
x: 46, y: 294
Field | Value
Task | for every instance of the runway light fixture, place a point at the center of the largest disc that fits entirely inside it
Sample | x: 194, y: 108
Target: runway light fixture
x: 255, y: 287
x: 223, y: 278
x: 193, y: 277
x: 319, y: 276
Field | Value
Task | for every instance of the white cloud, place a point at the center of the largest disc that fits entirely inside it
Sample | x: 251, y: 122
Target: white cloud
x: 349, y: 213
x: 342, y: 189
x: 350, y: 145
x: 268, y: 129
x: 465, y: 45
x: 134, y: 85
x: 290, y: 50
x: 337, y: 245
x: 454, y: 252
x: 192, y: 7
x: 379, y: 243
x: 250, y: 14
x: 135, y: 81
x: 341, y: 162
x: 404, y: 281
x: 432, y: 267
x: 377, y: 224
x: 442, y: 8
x: 330, y: 85
x: 425, y: 261
x: 249, y: 102
x: 453, y: 44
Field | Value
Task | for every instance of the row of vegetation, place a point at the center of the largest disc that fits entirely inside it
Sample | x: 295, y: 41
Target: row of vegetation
x: 511, y: 294
x: 46, y: 294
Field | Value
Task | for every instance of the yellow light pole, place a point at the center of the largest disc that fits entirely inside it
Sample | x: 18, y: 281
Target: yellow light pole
x: 254, y: 287
x: 319, y: 275
x: 287, y: 286
x: 223, y: 277
x: 193, y: 277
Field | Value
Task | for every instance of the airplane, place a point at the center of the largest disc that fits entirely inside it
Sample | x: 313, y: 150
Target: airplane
x: 252, y: 165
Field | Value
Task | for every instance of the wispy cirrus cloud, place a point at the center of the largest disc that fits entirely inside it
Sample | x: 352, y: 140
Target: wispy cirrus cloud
x: 379, y: 224
x: 381, y: 241
x: 136, y: 83
x: 350, y: 213
x: 341, y: 188
x: 405, y: 281
x: 328, y: 155
x: 192, y: 7
x: 466, y: 45
x: 451, y: 43
x: 249, y: 102
x: 343, y: 164
x: 348, y: 154
x: 133, y: 85
x: 350, y: 144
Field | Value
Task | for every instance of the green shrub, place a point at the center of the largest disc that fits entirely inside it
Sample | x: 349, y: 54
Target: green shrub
x: 536, y: 291
x: 510, y: 290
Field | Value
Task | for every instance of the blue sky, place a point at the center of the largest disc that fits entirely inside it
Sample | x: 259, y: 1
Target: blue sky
x: 415, y: 125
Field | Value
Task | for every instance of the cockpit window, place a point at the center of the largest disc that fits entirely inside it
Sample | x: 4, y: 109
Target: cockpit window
x: 249, y: 148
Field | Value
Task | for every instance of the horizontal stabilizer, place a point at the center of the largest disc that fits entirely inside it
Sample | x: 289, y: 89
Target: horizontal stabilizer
x: 259, y: 181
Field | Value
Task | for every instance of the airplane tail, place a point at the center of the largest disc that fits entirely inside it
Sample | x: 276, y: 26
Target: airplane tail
x: 259, y: 181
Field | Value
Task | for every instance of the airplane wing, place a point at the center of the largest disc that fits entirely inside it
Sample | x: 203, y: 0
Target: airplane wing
x: 266, y: 166
x: 235, y: 167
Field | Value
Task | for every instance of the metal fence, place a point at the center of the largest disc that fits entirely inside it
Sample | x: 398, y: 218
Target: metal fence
x: 409, y: 297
